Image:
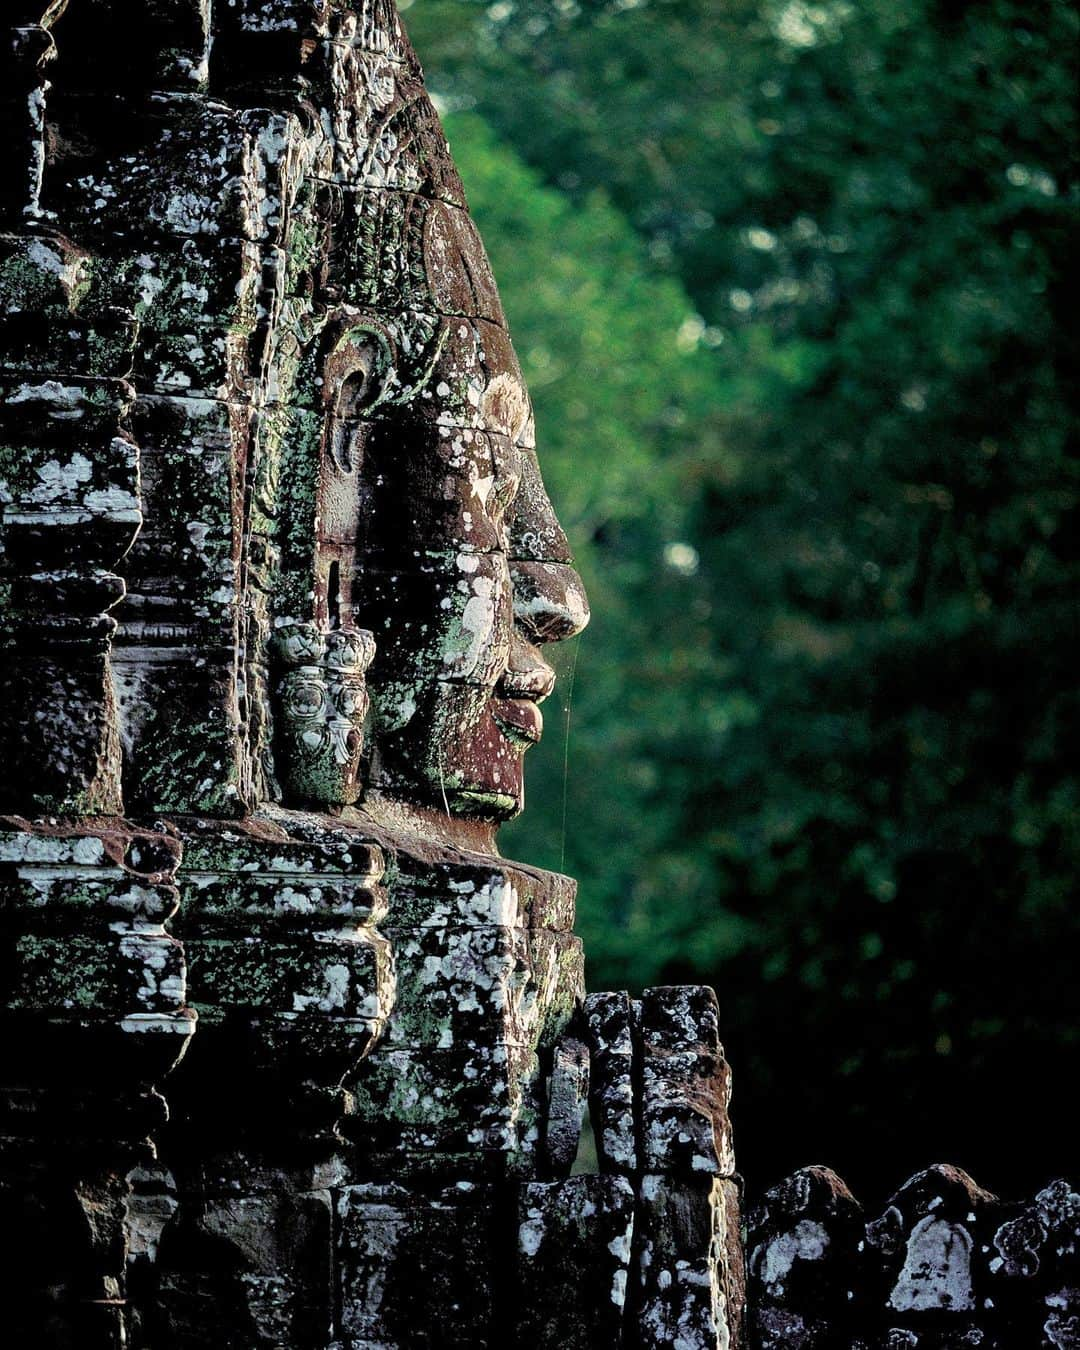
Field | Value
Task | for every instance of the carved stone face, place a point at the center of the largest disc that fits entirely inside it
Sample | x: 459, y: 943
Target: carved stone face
x: 433, y: 527
x: 461, y: 569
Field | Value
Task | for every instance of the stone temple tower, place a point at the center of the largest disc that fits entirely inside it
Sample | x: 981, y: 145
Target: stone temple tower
x: 293, y: 1057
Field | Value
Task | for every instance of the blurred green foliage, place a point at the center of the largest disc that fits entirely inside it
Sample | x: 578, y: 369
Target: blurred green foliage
x: 790, y: 283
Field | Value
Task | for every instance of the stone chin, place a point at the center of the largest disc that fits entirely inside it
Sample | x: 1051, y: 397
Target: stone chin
x: 485, y: 805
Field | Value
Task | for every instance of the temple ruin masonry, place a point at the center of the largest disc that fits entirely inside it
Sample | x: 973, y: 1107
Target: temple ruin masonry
x: 293, y: 1058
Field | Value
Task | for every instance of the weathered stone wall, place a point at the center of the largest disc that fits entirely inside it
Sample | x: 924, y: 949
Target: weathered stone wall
x: 945, y: 1265
x: 292, y: 1056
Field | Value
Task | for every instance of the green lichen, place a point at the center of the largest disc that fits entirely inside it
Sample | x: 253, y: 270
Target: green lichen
x: 26, y: 286
x: 472, y: 802
x: 190, y: 765
x: 302, y: 251
x: 61, y: 972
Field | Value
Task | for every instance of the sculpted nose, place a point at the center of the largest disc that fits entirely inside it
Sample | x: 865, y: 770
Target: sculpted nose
x: 550, y: 603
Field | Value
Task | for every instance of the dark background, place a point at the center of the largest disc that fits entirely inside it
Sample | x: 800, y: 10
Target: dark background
x: 791, y: 286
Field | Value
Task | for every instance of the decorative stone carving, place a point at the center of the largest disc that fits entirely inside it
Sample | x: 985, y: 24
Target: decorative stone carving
x: 269, y: 452
x: 321, y: 706
x: 69, y: 489
x: 95, y: 1017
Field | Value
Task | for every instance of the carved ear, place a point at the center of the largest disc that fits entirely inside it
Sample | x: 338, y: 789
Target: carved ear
x: 370, y: 360
x: 356, y: 374
x: 359, y: 360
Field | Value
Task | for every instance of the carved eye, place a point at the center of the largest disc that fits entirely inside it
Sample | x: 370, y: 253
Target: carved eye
x: 507, y: 482
x: 503, y: 493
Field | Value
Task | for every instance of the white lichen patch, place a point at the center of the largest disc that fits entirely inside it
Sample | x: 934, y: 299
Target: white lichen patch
x: 333, y: 997
x: 937, y: 1269
x: 807, y: 1241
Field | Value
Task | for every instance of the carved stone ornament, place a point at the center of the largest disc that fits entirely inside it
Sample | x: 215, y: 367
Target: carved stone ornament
x: 292, y: 1057
x: 321, y: 705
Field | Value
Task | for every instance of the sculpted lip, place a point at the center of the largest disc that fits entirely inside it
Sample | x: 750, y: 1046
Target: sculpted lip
x: 533, y: 681
x: 524, y: 685
x: 519, y: 718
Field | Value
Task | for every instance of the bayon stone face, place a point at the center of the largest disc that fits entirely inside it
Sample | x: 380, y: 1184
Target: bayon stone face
x: 274, y: 544
x: 445, y: 545
x: 329, y: 427
x: 434, y: 529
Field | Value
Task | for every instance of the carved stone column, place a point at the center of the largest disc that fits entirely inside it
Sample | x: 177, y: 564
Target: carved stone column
x: 293, y: 983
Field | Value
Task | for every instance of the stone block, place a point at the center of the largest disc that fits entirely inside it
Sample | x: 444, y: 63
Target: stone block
x: 483, y: 986
x: 804, y: 1254
x: 686, y: 1084
x: 48, y: 342
x: 461, y: 986
x: 926, y: 1244
x: 689, y: 1264
x: 1034, y: 1264
x: 459, y: 894
x: 249, y: 1269
x: 450, y: 1101
x: 94, y: 993
x: 193, y: 171
x: 573, y: 1251
x: 417, y: 1270
x: 558, y: 969
x: 84, y: 927
x: 341, y: 976
x: 179, y: 714
x: 201, y: 310
x: 69, y: 474
x: 249, y: 853
x: 609, y: 1025
x: 568, y: 1090
x: 374, y: 241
